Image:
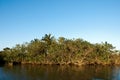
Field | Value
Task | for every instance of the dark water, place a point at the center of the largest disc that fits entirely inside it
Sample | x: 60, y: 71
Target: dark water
x: 38, y: 72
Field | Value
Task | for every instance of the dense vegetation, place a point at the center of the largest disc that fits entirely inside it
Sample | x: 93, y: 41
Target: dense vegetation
x: 49, y: 50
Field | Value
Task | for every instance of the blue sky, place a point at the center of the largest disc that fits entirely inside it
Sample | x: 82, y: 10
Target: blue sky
x: 92, y: 20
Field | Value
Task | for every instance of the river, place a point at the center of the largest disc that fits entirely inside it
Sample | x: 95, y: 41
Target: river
x: 54, y: 72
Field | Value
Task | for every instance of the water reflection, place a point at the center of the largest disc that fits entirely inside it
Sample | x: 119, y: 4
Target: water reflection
x: 38, y: 72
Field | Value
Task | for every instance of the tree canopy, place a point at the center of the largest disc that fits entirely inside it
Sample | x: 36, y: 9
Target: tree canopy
x: 49, y: 50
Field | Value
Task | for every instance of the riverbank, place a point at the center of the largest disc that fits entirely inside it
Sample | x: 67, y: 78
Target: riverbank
x: 77, y: 63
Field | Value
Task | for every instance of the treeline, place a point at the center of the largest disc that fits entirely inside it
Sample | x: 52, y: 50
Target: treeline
x: 49, y: 50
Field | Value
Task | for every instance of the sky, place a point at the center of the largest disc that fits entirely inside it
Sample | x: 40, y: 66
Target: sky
x: 93, y: 20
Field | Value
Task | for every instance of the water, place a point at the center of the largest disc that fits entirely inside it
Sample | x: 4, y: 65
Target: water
x: 38, y: 72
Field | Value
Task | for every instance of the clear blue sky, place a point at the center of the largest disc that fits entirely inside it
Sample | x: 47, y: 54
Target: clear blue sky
x: 92, y: 20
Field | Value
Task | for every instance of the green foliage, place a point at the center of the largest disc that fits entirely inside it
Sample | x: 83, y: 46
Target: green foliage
x: 48, y: 39
x: 49, y: 50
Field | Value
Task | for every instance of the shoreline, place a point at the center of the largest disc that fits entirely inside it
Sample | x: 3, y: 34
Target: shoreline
x: 60, y: 64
